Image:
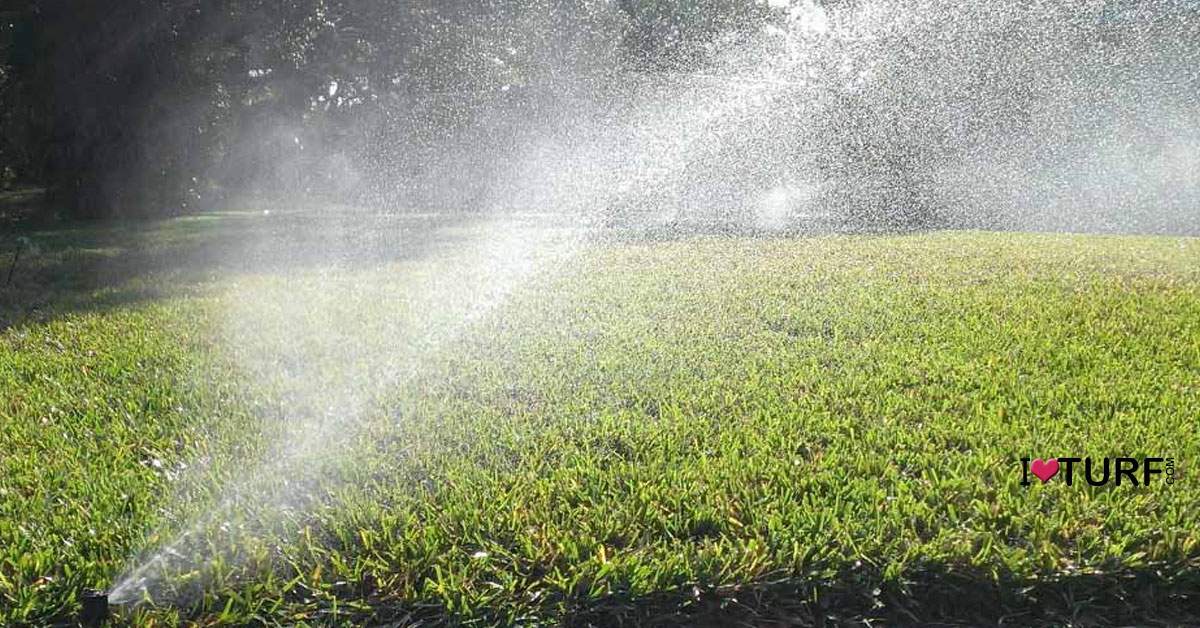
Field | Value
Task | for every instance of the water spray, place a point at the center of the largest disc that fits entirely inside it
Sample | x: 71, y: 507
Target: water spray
x: 879, y: 130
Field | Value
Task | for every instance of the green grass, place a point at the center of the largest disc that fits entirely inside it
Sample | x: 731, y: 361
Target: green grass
x: 709, y: 429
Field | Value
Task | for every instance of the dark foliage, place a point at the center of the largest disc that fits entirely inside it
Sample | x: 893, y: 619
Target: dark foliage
x: 154, y: 107
x: 161, y: 106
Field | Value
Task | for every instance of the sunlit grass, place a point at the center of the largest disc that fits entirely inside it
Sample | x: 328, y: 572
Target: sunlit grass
x: 650, y: 419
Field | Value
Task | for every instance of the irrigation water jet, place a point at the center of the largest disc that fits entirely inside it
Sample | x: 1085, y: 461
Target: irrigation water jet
x: 880, y: 112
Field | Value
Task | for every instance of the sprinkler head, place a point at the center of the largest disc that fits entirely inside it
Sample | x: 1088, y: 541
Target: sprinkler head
x: 95, y: 607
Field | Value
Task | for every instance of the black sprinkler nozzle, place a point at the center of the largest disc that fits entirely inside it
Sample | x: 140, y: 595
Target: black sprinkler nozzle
x: 95, y: 607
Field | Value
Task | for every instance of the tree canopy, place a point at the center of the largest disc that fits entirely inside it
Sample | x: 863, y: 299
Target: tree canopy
x: 152, y: 106
x: 161, y: 106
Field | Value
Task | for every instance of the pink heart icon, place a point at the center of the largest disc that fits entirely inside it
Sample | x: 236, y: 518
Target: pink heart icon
x: 1045, y: 469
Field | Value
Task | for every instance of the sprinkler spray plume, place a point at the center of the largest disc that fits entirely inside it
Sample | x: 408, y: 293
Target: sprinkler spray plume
x: 831, y: 116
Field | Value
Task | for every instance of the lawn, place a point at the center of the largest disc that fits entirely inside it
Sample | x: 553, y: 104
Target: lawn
x: 704, y: 429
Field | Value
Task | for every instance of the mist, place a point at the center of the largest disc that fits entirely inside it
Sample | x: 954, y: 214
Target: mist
x: 875, y: 116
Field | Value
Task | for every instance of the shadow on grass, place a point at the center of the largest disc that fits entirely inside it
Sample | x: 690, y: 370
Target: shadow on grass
x: 941, y: 597
x: 90, y: 267
x: 1150, y: 596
